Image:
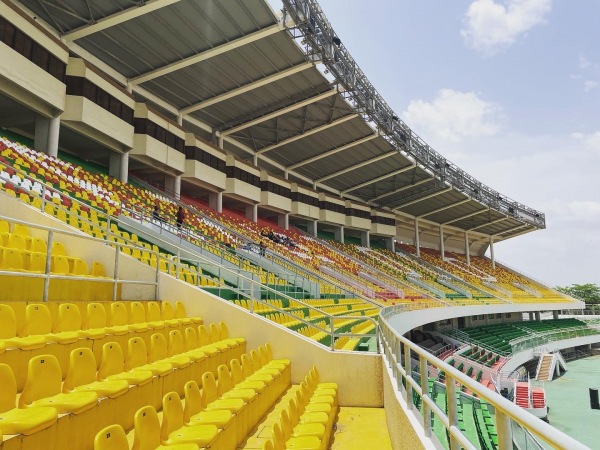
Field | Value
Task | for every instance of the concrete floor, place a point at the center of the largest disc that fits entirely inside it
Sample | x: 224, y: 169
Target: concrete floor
x: 569, y: 401
x: 361, y: 429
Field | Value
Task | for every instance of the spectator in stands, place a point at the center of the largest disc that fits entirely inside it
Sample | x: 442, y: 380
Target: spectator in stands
x: 262, y: 248
x: 180, y: 216
x: 156, y: 213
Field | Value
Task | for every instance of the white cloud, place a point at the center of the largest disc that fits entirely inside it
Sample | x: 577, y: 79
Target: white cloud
x: 588, y: 85
x: 453, y: 116
x: 584, y: 63
x: 590, y: 141
x: 490, y: 26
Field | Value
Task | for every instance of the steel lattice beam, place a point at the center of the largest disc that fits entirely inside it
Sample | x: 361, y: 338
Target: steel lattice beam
x: 117, y: 19
x: 376, y: 180
x: 466, y: 216
x: 356, y: 166
x: 404, y: 188
x: 443, y: 208
x: 483, y: 225
x: 246, y: 88
x: 306, y: 133
x: 215, y: 51
x: 426, y: 197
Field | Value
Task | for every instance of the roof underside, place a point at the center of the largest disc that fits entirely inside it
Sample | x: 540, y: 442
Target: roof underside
x: 233, y: 66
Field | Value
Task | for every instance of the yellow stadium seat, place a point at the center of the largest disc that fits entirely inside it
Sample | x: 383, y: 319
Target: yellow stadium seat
x: 137, y: 359
x: 20, y: 421
x: 38, y: 321
x: 112, y: 437
x: 43, y: 388
x: 8, y: 332
x: 147, y: 433
x: 173, y: 430
x: 112, y: 367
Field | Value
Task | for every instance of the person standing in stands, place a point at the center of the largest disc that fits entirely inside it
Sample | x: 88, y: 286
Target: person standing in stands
x: 180, y: 216
x: 156, y: 213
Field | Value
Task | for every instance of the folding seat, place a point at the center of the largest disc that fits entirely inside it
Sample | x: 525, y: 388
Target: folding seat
x: 283, y: 440
x: 14, y: 286
x: 199, y: 360
x: 159, y: 352
x: 43, y: 388
x: 102, y: 290
x: 259, y: 386
x: 38, y: 321
x: 112, y: 367
x: 118, y: 319
x: 137, y: 318
x: 59, y: 289
x: 147, y: 433
x: 168, y: 315
x: 137, y: 359
x: 173, y: 430
x: 194, y: 415
x: 192, y: 344
x: 112, y: 437
x: 81, y: 290
x: 294, y: 429
x: 153, y: 316
x: 20, y: 421
x: 81, y: 376
x: 236, y: 406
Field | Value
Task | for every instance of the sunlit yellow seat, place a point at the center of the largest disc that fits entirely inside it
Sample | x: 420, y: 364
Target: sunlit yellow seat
x: 173, y: 430
x: 20, y: 421
x: 147, y: 433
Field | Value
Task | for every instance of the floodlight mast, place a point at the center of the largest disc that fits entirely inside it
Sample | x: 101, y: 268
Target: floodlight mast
x: 321, y: 43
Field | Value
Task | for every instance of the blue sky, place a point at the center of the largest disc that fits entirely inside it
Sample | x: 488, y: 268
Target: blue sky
x: 510, y: 91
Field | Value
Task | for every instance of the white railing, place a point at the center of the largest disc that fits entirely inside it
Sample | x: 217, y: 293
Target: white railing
x: 397, y: 351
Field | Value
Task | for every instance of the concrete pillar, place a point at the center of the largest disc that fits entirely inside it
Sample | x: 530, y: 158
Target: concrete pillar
x: 555, y: 314
x: 46, y: 135
x: 283, y: 220
x: 531, y: 315
x: 255, y: 159
x: 365, y: 239
x: 179, y: 119
x: 221, y: 141
x: 537, y: 315
x: 311, y: 227
x: 389, y: 244
x: 417, y: 238
x: 286, y: 174
x: 173, y: 185
x: 442, y: 252
x: 252, y: 212
x: 492, y: 252
x: 118, y: 166
x: 467, y: 252
x: 215, y: 201
x: 338, y: 234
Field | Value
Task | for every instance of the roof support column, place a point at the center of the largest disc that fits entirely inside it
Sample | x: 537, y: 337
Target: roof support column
x: 252, y: 212
x: 311, y: 227
x: 365, y: 239
x: 492, y: 252
x: 283, y: 220
x: 118, y: 166
x: 46, y: 135
x: 467, y: 252
x: 442, y: 252
x: 215, y: 201
x: 338, y: 234
x: 389, y: 244
x: 173, y: 184
x: 417, y: 238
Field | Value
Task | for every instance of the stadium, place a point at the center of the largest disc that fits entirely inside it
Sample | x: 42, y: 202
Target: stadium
x: 215, y: 233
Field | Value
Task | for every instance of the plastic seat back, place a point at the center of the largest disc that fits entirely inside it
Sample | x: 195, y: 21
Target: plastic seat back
x: 12, y: 259
x: 58, y: 249
x: 112, y: 437
x: 8, y: 393
x: 137, y: 353
x: 224, y: 383
x: 237, y: 373
x: 44, y: 379
x: 137, y: 313
x: 193, y: 400
x: 190, y: 339
x: 118, y: 314
x: 8, y: 322
x: 60, y: 265
x: 35, y: 262
x: 247, y: 367
x: 255, y: 358
x: 158, y: 348
x: 4, y: 226
x: 82, y: 369
x: 80, y: 267
x: 98, y: 269
x: 168, y: 313
x: 172, y: 415
x: 224, y: 331
x: 214, y: 333
x: 176, y: 346
x: 203, y: 336
x: 153, y: 312
x: 147, y: 429
x: 209, y: 388
x: 23, y: 230
x: 95, y: 316
x: 180, y: 310
x: 37, y: 320
x: 38, y: 245
x: 113, y: 361
x: 16, y: 241
x: 69, y: 318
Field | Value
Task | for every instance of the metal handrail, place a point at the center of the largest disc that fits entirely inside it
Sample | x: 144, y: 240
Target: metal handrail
x: 397, y: 351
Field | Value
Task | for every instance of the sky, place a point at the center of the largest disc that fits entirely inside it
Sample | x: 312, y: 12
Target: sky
x: 509, y: 90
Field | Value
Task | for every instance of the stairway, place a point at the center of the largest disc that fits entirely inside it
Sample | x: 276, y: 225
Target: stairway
x: 544, y: 367
x: 522, y: 395
x: 539, y: 398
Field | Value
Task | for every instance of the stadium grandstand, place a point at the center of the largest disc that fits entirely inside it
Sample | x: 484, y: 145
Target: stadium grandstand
x: 215, y: 233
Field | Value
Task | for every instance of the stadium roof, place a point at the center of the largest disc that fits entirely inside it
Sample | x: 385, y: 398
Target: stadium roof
x: 236, y: 72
